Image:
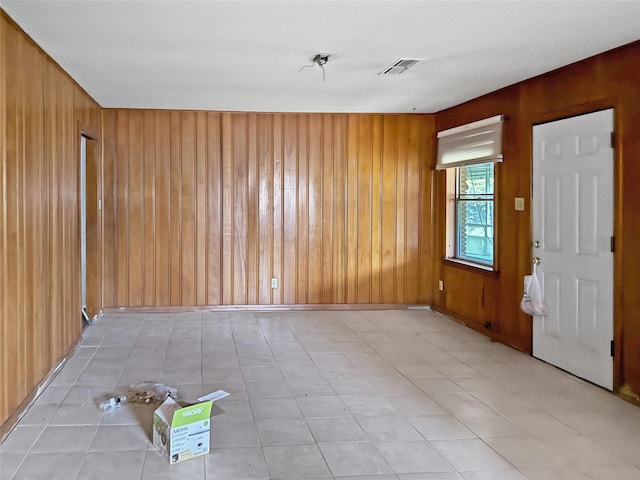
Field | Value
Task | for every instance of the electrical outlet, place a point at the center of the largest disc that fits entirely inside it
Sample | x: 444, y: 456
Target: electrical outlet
x: 274, y: 282
x: 441, y: 285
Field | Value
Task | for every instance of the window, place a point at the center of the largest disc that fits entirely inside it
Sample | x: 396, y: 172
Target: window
x: 474, y: 201
x: 469, y: 154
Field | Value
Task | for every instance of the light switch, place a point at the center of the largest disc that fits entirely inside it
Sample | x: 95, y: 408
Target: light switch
x: 519, y: 204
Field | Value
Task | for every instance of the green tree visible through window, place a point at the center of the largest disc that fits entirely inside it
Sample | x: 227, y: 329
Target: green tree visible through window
x: 474, y: 212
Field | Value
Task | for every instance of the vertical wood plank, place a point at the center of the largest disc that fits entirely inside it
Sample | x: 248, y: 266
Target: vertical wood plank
x: 425, y: 214
x: 376, y: 209
x: 135, y: 212
x: 35, y: 224
x: 22, y: 216
x: 4, y: 400
x: 352, y: 209
x: 251, y: 212
x: 53, y: 152
x: 43, y: 346
x: 265, y: 247
x: 188, y: 206
x: 175, y: 212
x: 228, y: 177
x: 364, y: 211
x: 60, y: 276
x: 315, y: 199
x: 290, y: 207
x: 163, y: 196
x: 54, y: 135
x: 401, y: 208
x: 214, y: 210
x: 239, y: 204
x: 340, y: 210
x: 122, y: 223
x: 13, y: 223
x: 389, y: 209
x: 75, y: 285
x: 108, y: 207
x: 277, y: 263
x: 326, y: 269
x: 413, y: 209
x: 302, y: 230
x: 149, y: 209
x: 200, y: 211
x: 27, y: 201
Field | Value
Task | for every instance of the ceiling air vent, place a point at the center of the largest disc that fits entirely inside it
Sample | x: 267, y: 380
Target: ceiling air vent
x: 400, y: 66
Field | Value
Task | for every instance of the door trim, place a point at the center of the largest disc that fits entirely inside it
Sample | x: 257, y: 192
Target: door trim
x: 92, y: 135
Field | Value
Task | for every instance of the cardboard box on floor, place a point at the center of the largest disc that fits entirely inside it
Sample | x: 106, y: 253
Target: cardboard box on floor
x: 181, y: 433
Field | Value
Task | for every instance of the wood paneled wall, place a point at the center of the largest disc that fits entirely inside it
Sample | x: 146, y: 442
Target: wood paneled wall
x: 207, y: 207
x: 607, y: 80
x: 42, y: 110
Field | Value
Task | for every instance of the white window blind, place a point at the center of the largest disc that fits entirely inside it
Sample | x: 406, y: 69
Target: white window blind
x: 476, y: 142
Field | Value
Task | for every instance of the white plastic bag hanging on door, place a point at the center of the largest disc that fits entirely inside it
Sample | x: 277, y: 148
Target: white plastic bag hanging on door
x: 532, y: 302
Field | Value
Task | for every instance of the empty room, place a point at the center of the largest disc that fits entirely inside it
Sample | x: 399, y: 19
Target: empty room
x: 351, y: 240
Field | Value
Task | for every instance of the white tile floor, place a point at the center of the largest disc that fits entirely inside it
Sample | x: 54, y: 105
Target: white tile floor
x: 367, y: 395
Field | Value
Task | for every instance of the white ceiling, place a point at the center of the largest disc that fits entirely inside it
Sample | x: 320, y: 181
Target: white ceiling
x: 246, y: 55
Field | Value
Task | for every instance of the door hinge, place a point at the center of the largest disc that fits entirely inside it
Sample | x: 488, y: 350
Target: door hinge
x: 613, y: 348
x: 613, y: 244
x: 613, y: 139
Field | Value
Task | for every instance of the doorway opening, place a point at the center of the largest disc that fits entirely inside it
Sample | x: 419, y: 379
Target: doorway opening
x: 89, y: 229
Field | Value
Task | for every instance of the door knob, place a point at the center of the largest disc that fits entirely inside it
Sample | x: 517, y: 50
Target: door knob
x: 537, y: 244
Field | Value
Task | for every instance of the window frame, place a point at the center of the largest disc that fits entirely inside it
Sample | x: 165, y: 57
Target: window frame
x: 452, y: 220
x: 470, y: 198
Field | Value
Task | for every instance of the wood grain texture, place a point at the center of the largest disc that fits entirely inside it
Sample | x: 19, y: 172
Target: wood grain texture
x: 5, y: 403
x: 162, y: 194
x: 327, y: 204
x: 43, y: 113
x: 604, y: 81
x: 108, y: 237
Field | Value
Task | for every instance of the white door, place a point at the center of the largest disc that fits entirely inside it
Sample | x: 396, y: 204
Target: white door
x: 572, y: 234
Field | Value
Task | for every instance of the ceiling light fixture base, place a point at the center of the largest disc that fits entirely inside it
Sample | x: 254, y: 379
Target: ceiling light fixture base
x: 321, y: 60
